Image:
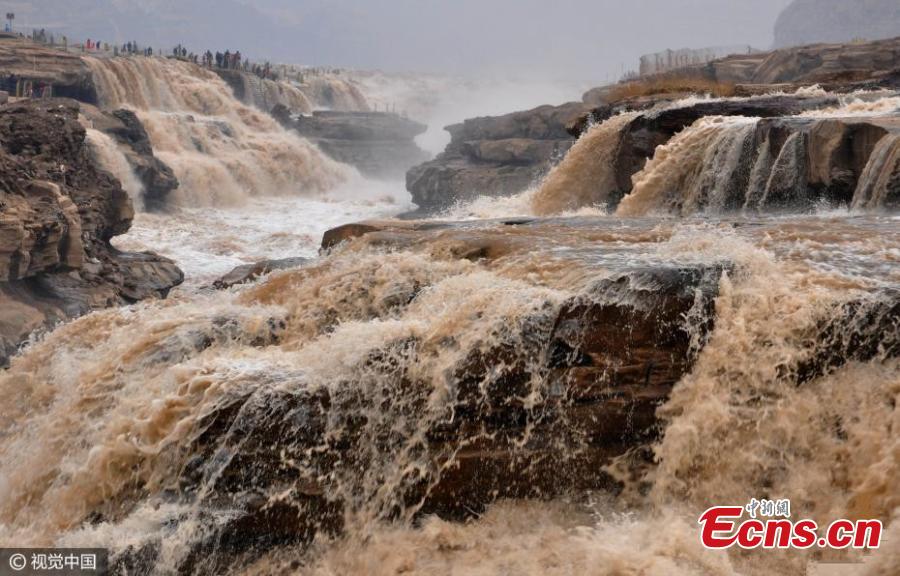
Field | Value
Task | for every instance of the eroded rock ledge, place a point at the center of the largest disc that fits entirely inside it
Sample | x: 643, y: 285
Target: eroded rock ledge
x: 378, y: 144
x: 58, y: 212
x: 493, y: 156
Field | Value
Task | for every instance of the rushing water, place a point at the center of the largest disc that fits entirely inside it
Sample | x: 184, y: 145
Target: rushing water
x: 221, y: 150
x: 303, y: 423
x: 209, y: 243
x: 715, y: 165
x: 109, y: 439
x: 111, y: 158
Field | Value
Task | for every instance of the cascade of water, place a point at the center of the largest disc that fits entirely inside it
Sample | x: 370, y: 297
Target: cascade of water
x: 113, y: 160
x: 726, y: 171
x: 787, y: 183
x: 265, y: 94
x: 358, y: 369
x: 759, y: 175
x: 680, y: 177
x: 331, y: 93
x: 586, y: 176
x: 220, y: 149
x: 881, y: 176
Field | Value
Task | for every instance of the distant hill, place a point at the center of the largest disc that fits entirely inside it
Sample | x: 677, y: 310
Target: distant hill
x: 813, y: 21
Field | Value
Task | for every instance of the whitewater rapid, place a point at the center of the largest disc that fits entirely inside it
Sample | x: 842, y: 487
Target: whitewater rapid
x: 208, y: 243
x: 221, y: 150
x: 108, y: 439
x: 150, y: 429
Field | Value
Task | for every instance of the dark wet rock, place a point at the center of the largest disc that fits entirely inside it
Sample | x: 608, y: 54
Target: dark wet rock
x: 608, y: 358
x: 493, y: 156
x: 857, y: 331
x: 249, y: 272
x: 158, y: 178
x: 125, y: 128
x: 671, y: 120
x: 378, y: 144
x: 58, y: 211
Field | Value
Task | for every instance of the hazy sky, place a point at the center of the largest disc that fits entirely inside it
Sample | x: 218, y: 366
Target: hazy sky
x: 584, y: 40
x: 581, y: 38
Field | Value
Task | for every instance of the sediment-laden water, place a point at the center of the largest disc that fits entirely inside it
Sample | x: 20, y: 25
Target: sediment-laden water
x: 109, y: 413
x: 555, y: 395
x: 221, y: 150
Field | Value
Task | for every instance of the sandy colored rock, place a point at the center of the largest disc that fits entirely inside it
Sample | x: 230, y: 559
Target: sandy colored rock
x: 58, y: 211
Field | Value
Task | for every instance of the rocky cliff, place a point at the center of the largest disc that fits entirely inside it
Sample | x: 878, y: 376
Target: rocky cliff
x: 838, y: 66
x: 813, y: 21
x: 494, y: 156
x: 22, y: 61
x: 58, y: 212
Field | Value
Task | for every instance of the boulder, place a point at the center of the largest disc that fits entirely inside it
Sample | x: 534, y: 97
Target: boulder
x: 493, y: 156
x: 250, y: 272
x: 58, y: 211
x: 158, y: 178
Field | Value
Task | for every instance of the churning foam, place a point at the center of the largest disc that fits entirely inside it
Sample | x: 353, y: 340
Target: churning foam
x: 100, y: 413
x: 860, y: 105
x: 207, y: 244
x: 221, y: 150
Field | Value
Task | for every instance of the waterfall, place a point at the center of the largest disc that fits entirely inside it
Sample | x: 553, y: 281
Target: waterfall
x: 725, y: 172
x: 331, y: 93
x: 113, y: 160
x: 881, y: 175
x: 221, y: 150
x: 718, y: 164
x: 787, y: 183
x: 360, y: 382
x: 694, y: 169
x: 265, y: 94
x: 586, y: 176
